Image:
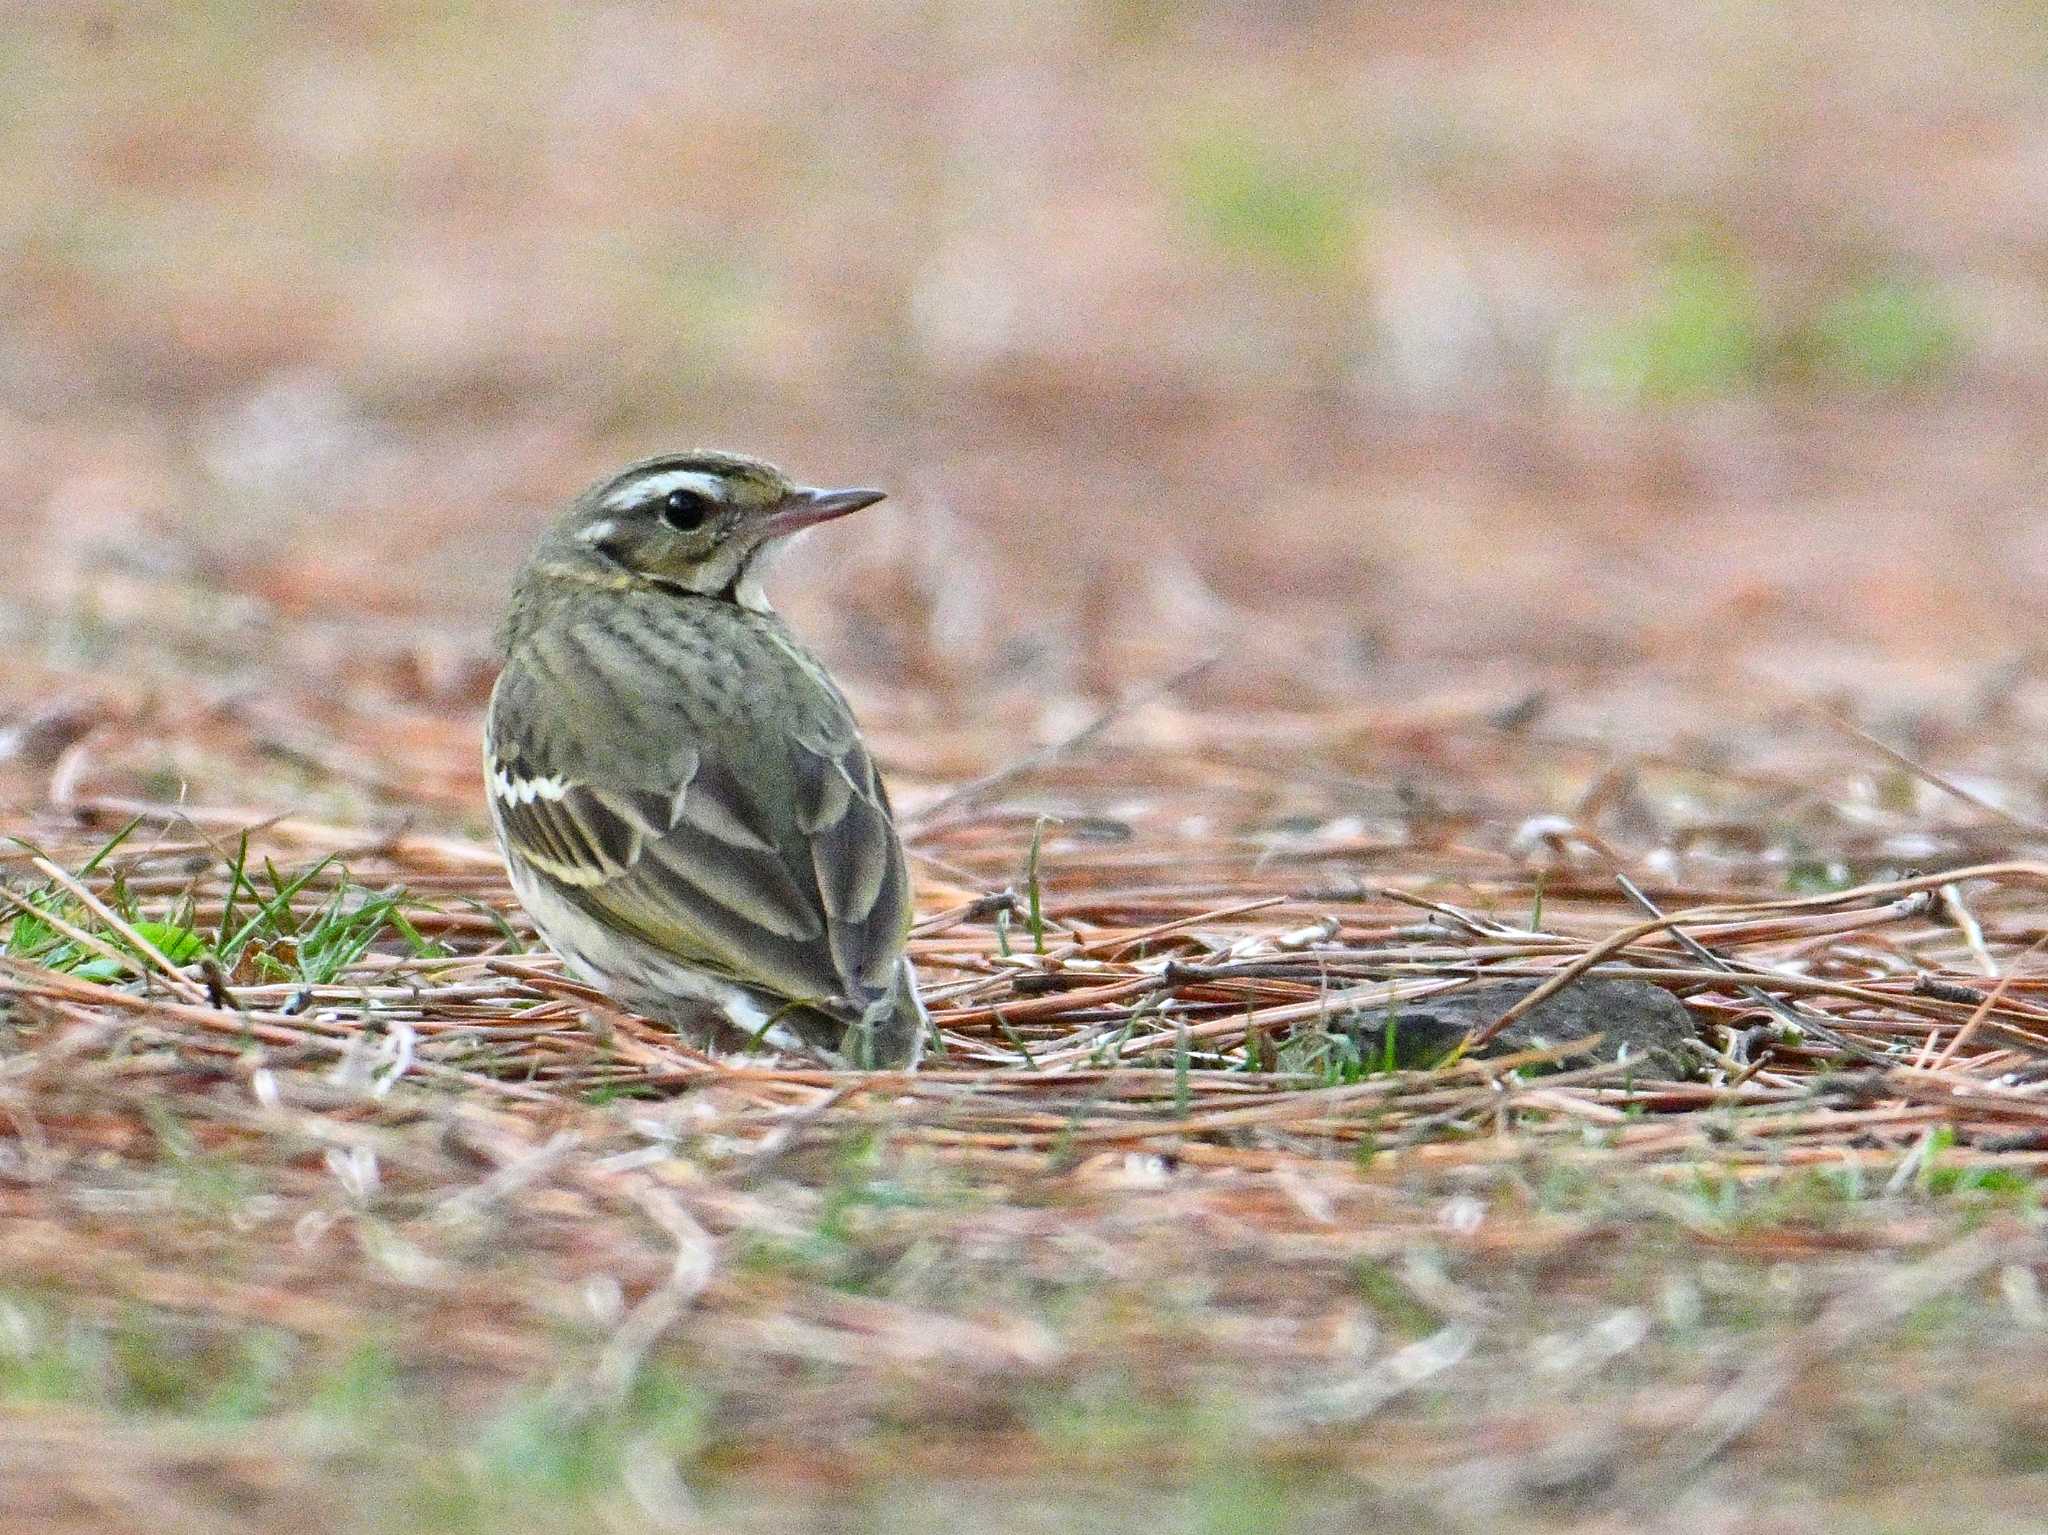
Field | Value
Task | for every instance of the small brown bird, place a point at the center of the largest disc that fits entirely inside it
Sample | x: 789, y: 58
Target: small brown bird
x: 685, y: 803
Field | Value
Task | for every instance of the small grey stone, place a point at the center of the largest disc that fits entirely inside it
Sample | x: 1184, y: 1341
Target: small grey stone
x: 1647, y: 1022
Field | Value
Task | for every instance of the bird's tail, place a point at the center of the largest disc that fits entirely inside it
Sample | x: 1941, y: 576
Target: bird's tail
x: 890, y: 1035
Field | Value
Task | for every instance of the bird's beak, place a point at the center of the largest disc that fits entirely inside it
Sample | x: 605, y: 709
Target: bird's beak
x: 806, y: 507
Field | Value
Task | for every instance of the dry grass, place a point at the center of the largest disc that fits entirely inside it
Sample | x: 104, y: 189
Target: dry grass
x: 432, y: 1224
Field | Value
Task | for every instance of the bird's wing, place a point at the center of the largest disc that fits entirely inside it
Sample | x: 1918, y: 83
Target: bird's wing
x: 660, y: 836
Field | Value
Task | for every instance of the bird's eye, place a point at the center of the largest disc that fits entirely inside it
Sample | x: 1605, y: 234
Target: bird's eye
x: 684, y: 510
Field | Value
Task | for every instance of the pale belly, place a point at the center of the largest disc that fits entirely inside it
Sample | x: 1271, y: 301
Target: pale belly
x: 644, y: 979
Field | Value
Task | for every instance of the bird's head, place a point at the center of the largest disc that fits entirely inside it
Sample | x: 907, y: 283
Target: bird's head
x: 698, y: 522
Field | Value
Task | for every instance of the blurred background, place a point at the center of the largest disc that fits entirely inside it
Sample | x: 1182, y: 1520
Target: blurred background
x: 1387, y: 348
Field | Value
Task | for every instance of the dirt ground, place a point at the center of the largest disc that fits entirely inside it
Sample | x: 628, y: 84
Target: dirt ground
x: 1384, y: 498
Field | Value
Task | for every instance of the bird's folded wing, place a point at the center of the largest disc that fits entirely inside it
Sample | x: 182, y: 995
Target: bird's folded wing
x: 810, y: 906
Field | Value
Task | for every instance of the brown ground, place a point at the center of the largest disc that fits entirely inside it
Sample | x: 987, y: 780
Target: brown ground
x: 1596, y: 440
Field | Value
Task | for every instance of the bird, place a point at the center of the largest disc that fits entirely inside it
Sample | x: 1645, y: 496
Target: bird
x: 685, y: 803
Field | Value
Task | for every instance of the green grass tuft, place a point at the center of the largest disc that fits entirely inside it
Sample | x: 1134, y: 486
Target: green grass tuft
x: 271, y: 926
x: 1881, y: 334
x: 1706, y: 331
x: 1702, y: 333
x: 1252, y: 199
